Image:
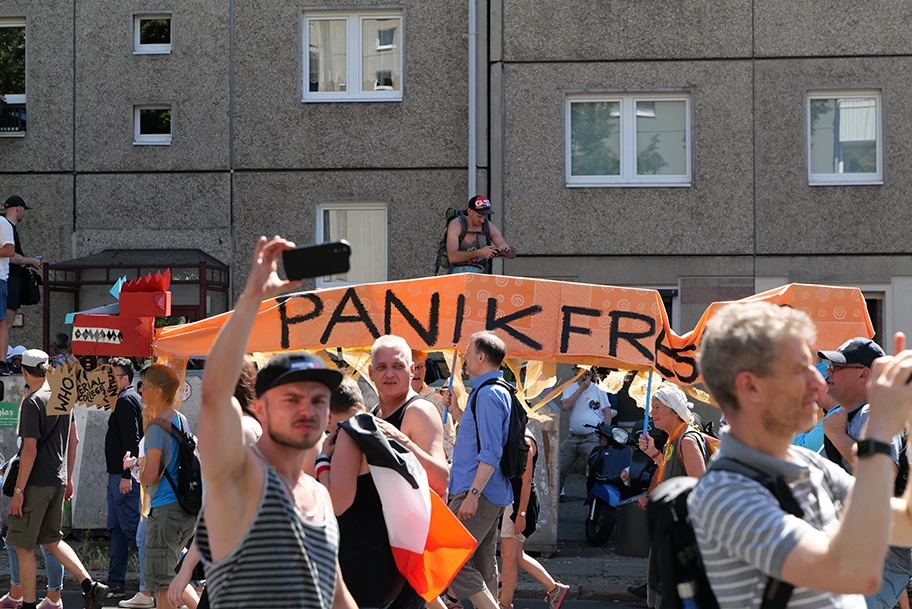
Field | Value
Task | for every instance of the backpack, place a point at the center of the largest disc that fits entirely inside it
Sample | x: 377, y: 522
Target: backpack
x: 902, y: 476
x: 443, y: 260
x: 189, y: 487
x: 515, y: 449
x: 30, y: 287
x: 675, y: 556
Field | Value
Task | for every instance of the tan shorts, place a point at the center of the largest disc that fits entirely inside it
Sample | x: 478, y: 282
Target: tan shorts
x: 42, y: 512
x: 168, y: 529
x: 507, y: 527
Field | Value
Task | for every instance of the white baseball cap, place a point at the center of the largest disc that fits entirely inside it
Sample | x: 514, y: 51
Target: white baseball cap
x: 34, y: 358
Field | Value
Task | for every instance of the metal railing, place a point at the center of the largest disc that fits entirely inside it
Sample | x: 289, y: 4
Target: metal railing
x: 12, y: 118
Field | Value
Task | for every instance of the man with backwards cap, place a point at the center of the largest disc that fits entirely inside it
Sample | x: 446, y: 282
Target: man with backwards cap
x: 847, y: 383
x: 472, y: 240
x: 267, y: 534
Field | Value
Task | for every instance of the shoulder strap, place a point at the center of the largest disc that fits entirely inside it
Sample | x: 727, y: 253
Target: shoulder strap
x: 475, y: 391
x: 777, y: 593
x: 832, y: 453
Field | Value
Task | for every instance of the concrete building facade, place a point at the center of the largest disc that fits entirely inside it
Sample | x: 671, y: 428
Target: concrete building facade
x: 710, y: 150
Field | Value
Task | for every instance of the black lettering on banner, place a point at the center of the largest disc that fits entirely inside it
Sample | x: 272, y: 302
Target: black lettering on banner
x: 631, y: 337
x: 430, y: 335
x: 504, y: 323
x: 67, y: 385
x: 676, y: 355
x: 339, y: 318
x: 287, y: 321
x: 460, y: 313
x: 567, y: 329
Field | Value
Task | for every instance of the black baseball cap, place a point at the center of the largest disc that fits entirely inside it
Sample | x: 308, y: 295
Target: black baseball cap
x: 294, y: 367
x: 15, y: 201
x: 480, y: 205
x: 856, y: 351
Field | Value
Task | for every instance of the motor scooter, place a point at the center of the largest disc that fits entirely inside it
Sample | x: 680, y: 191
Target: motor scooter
x: 617, y: 471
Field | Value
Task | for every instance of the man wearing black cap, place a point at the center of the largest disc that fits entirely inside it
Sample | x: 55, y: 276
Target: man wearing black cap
x: 847, y: 383
x: 7, y: 251
x: 15, y: 211
x: 267, y: 534
x: 472, y: 240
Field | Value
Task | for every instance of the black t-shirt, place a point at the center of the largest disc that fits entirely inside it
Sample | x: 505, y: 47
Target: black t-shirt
x: 52, y: 433
x: 15, y: 270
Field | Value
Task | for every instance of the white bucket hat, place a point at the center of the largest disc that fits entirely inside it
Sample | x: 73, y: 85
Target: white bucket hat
x: 674, y: 398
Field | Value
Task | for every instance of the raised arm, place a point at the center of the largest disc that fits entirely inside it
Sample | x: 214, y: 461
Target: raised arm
x: 223, y: 451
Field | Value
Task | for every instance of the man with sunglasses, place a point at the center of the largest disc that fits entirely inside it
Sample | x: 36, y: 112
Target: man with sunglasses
x: 847, y: 383
x: 125, y: 429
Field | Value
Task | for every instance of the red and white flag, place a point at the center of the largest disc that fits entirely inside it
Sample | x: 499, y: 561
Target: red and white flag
x: 429, y: 543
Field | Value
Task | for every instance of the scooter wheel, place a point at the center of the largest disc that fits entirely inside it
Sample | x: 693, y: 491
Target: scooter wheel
x: 601, y: 525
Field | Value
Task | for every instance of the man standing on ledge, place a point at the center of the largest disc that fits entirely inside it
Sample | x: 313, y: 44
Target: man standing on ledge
x: 472, y: 241
x: 15, y: 211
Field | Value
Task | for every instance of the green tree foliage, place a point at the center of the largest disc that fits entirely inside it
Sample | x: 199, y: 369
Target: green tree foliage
x: 155, y: 31
x: 12, y: 60
x: 594, y: 140
x: 649, y: 161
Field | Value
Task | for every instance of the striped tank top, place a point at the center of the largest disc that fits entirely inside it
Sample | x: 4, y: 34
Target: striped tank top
x: 282, y: 561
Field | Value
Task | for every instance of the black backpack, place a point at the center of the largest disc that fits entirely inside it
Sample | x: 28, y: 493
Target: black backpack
x: 902, y: 476
x: 443, y: 260
x: 515, y: 449
x: 189, y: 487
x: 675, y: 556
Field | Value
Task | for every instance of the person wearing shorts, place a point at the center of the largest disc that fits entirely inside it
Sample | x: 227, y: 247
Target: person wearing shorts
x: 168, y: 526
x: 47, y: 456
x: 518, y: 522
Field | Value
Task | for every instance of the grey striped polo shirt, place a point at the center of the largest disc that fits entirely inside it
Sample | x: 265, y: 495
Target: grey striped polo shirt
x: 745, y: 536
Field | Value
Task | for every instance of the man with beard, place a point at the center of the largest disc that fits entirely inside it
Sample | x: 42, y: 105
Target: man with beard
x: 849, y: 373
x: 267, y: 534
x: 403, y: 415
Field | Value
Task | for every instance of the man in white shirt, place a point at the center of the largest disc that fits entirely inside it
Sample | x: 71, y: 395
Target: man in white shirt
x: 7, y: 250
x: 588, y: 405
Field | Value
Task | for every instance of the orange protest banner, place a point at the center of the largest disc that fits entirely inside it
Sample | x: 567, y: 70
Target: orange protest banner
x: 540, y: 320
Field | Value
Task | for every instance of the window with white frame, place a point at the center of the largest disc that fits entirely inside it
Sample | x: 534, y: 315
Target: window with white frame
x: 353, y: 56
x: 12, y: 76
x: 152, y: 125
x: 364, y: 225
x: 628, y: 140
x: 152, y: 34
x: 845, y: 138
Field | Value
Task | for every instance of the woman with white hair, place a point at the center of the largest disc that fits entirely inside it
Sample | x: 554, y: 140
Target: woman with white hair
x: 685, y: 451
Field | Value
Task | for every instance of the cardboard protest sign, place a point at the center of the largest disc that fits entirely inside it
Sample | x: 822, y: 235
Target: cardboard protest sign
x: 72, y: 385
x: 540, y: 320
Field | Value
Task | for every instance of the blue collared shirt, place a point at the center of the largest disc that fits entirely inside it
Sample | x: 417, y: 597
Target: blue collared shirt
x: 493, y: 409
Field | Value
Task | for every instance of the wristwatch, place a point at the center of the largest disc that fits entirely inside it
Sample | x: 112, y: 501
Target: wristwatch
x: 869, y: 447
x: 475, y: 491
x: 523, y: 514
x: 17, y: 491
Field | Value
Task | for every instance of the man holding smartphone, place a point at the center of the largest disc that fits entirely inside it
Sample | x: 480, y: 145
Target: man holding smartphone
x: 15, y: 211
x: 472, y: 241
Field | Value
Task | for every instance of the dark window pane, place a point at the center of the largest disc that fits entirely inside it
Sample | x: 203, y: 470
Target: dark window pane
x: 154, y: 31
x: 155, y: 121
x: 12, y: 60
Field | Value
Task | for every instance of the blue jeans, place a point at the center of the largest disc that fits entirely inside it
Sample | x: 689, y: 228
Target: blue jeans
x: 123, y: 520
x: 141, y: 547
x: 894, y: 585
x: 52, y: 565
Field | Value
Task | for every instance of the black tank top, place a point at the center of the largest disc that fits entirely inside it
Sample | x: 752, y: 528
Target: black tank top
x: 367, y: 562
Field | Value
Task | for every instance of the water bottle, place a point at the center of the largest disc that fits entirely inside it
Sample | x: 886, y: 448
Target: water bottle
x: 686, y: 593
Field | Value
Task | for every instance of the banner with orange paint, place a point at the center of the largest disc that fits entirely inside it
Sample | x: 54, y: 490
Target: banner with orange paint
x: 539, y: 319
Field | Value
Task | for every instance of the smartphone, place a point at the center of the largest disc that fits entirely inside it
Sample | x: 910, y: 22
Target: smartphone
x: 317, y: 260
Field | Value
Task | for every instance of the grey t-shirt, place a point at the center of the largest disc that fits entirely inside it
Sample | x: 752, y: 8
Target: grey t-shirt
x: 52, y: 433
x: 745, y: 535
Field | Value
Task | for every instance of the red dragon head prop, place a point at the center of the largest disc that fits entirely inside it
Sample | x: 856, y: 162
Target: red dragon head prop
x: 129, y: 333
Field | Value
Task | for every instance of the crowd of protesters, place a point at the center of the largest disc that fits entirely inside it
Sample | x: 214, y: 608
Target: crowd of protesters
x: 293, y: 513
